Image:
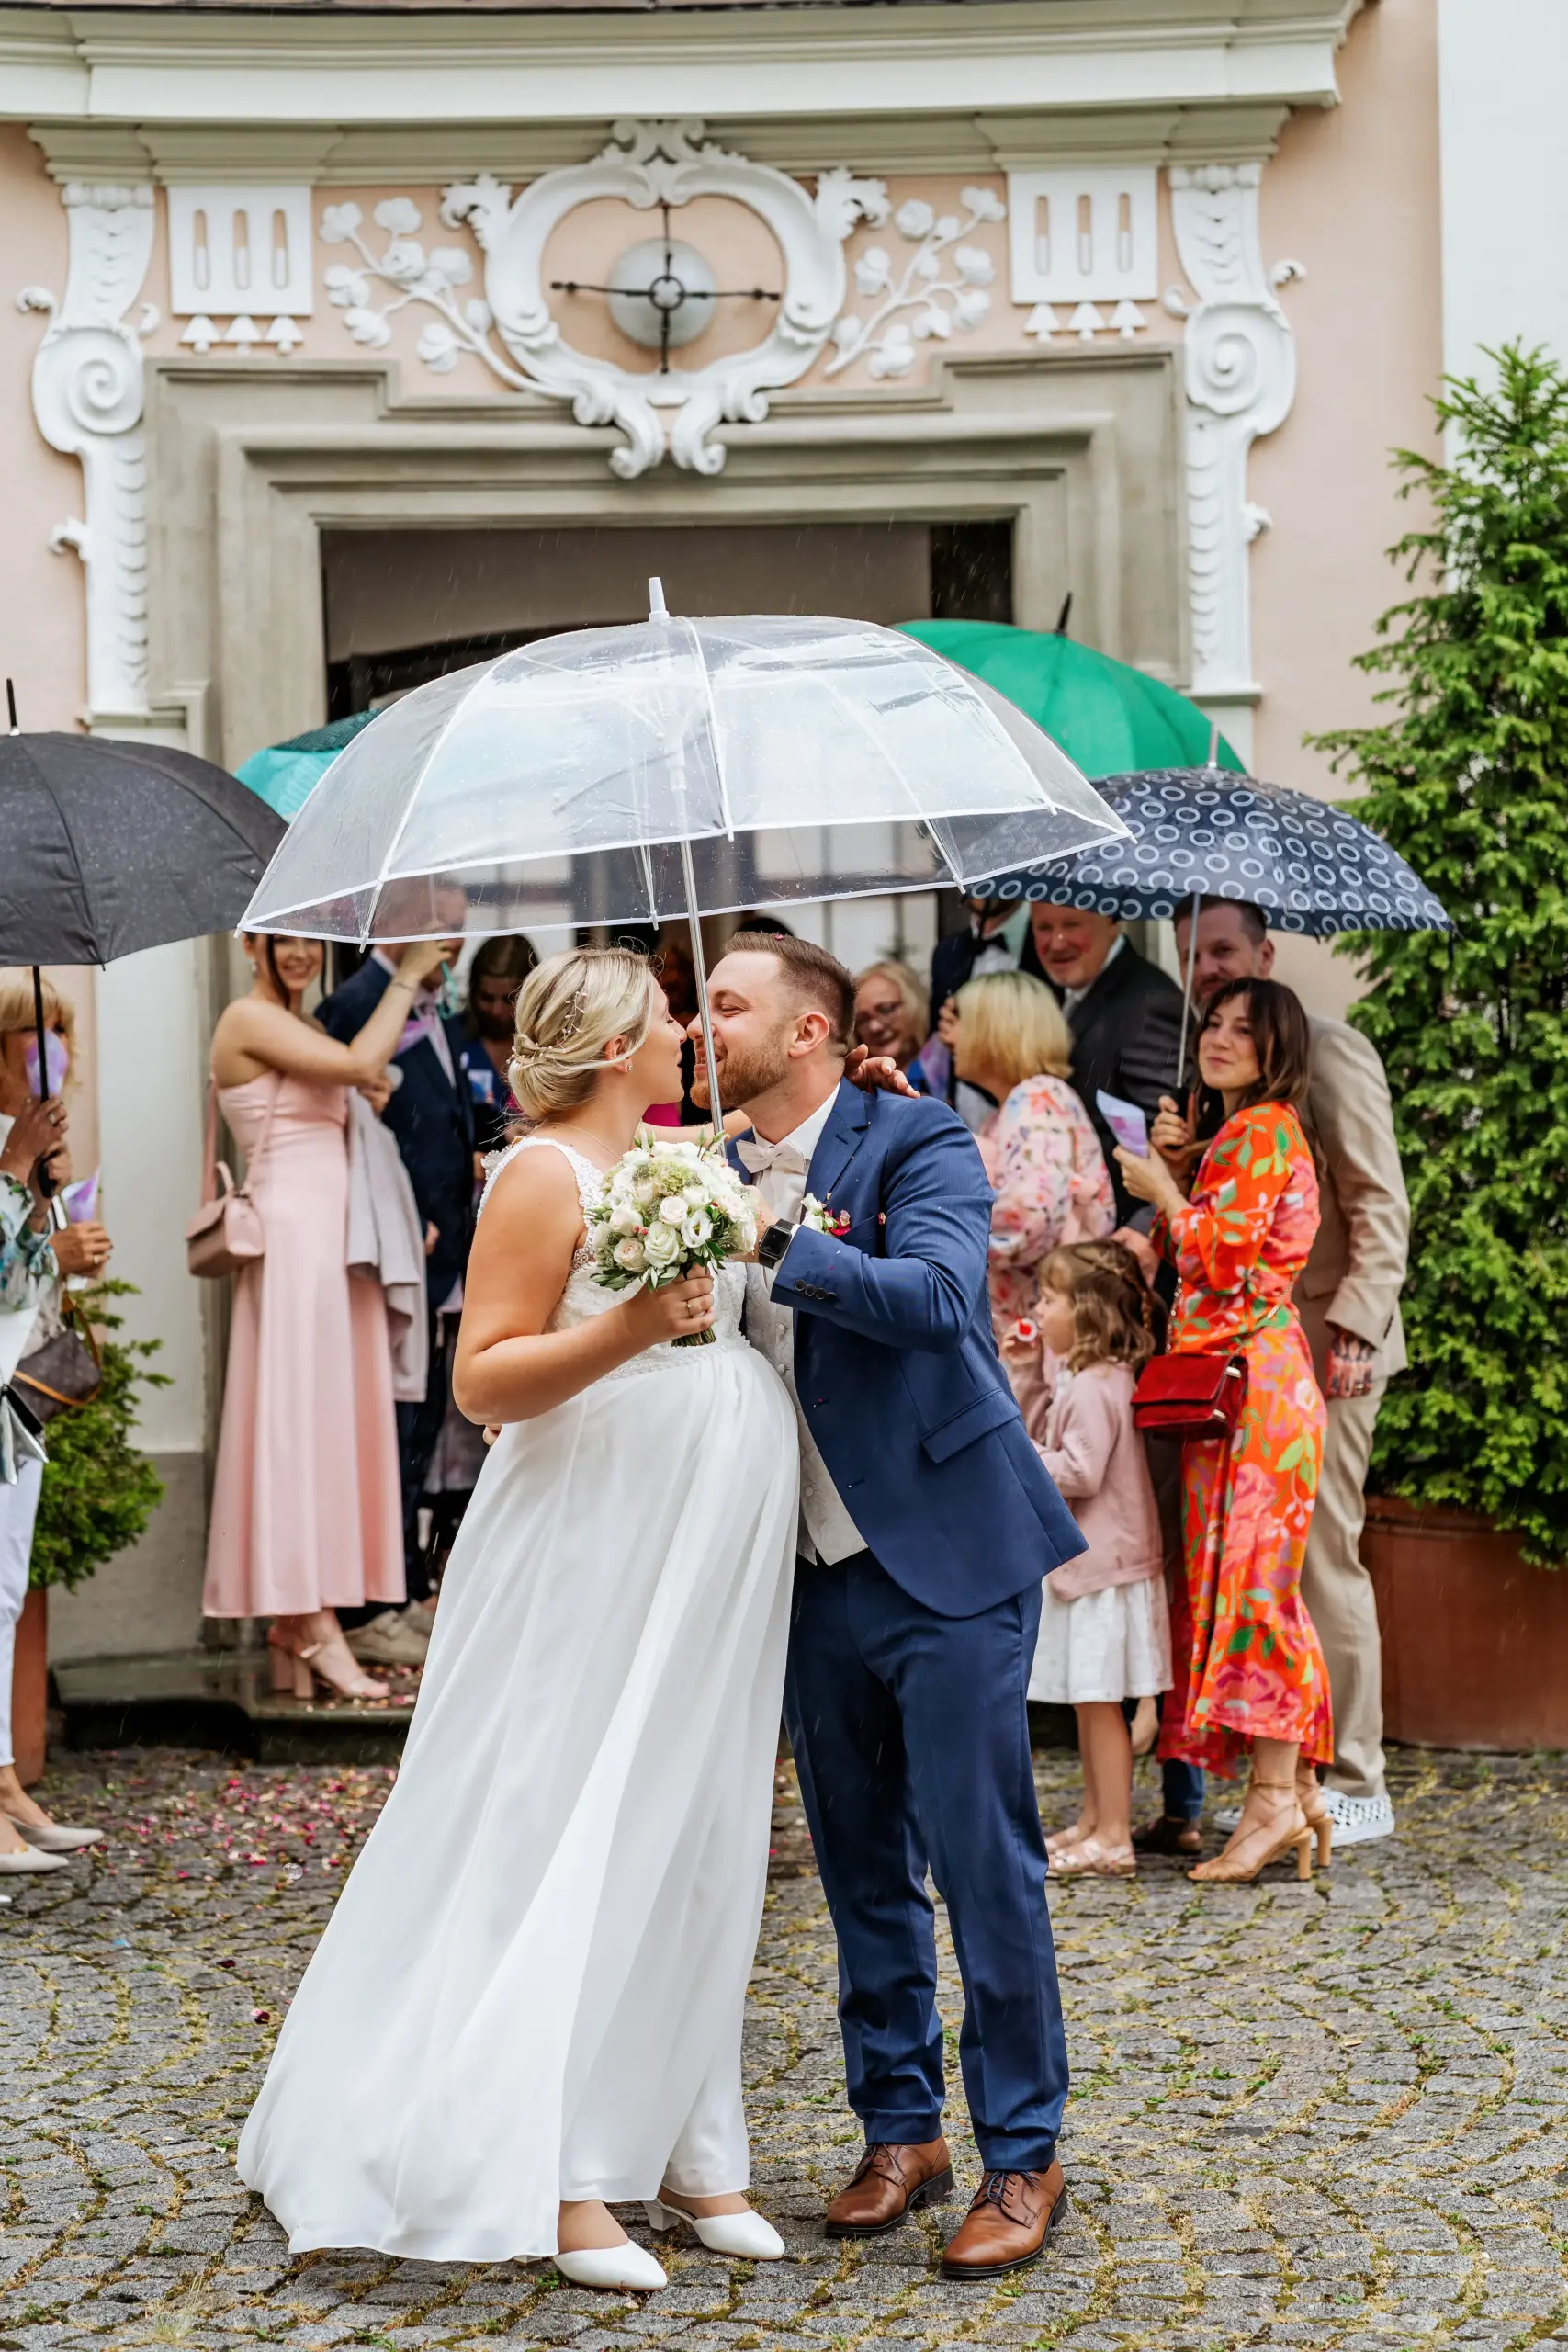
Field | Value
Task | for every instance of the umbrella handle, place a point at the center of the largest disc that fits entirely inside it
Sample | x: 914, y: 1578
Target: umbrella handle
x: 41, y: 1176
x: 700, y: 973
x: 1187, y: 992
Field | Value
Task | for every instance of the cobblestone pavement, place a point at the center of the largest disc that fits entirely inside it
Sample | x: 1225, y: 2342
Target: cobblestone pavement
x: 1326, y: 2117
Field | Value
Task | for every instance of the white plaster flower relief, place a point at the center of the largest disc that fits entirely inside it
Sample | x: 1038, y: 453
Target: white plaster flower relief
x: 432, y: 279
x: 943, y: 283
x: 514, y: 332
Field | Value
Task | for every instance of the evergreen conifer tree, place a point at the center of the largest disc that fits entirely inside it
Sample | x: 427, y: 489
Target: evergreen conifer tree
x: 1467, y: 778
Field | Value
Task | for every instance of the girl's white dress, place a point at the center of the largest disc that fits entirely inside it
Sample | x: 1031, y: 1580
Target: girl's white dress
x: 532, y: 1986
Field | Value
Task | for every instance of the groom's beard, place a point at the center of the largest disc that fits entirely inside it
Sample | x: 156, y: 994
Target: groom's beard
x: 743, y: 1074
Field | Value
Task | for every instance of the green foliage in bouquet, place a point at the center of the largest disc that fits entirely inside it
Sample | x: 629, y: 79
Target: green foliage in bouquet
x: 98, y: 1492
x: 1467, y: 778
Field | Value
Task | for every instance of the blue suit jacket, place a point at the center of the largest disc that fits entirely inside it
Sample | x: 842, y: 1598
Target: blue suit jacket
x: 433, y: 1123
x: 895, y: 1367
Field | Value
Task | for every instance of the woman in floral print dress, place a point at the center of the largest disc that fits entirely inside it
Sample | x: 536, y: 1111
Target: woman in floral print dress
x: 1249, y: 1671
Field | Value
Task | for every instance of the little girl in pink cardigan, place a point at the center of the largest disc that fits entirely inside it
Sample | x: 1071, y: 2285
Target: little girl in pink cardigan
x: 1104, y: 1628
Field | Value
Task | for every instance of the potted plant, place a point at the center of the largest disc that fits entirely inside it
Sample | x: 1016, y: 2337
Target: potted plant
x: 98, y: 1495
x: 1467, y: 778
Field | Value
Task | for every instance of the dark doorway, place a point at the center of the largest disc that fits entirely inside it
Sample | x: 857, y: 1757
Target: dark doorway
x: 971, y: 571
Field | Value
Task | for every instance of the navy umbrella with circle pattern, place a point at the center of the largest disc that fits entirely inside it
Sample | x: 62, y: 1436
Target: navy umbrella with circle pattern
x: 1205, y: 833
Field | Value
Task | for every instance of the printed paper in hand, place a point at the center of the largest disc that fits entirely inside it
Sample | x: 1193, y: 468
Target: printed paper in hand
x: 1125, y: 1121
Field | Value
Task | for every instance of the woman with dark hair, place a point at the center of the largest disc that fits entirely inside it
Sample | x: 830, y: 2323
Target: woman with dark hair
x: 307, y: 1512
x: 1249, y: 1673
x: 499, y: 969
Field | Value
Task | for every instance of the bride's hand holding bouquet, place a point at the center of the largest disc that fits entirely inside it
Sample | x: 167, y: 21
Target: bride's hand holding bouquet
x: 672, y: 1212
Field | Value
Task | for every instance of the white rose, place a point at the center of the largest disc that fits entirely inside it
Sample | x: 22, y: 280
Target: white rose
x: 624, y: 1218
x: 642, y: 1191
x: 663, y: 1246
x: 631, y: 1255
x: 696, y: 1196
x: 697, y: 1228
x: 672, y: 1209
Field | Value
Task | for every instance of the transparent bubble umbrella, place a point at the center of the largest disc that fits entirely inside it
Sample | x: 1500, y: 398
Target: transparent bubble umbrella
x: 674, y: 768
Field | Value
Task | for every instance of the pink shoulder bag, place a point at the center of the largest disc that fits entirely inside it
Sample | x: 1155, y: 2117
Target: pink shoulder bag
x: 226, y: 1234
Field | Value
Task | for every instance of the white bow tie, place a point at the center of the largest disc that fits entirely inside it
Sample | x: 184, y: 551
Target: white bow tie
x: 760, y: 1158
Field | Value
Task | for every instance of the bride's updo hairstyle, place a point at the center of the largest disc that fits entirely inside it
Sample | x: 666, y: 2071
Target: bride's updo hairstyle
x: 568, y: 1011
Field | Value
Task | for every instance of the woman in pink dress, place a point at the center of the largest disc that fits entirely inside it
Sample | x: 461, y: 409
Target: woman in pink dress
x: 1040, y: 1151
x: 307, y: 1514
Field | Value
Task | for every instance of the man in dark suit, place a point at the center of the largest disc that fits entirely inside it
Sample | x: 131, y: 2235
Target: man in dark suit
x: 992, y: 941
x: 431, y: 1116
x: 1123, y: 1015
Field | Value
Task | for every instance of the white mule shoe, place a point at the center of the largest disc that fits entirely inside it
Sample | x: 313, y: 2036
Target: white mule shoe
x: 626, y: 2267
x: 745, y: 2237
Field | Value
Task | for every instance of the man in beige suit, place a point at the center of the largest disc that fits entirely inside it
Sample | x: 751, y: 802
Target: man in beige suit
x: 1348, y: 1302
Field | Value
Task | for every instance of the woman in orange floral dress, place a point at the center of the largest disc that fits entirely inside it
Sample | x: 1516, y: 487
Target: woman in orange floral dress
x: 1249, y: 1671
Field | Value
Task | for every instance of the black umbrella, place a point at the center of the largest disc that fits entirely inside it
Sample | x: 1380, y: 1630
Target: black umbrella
x: 108, y: 847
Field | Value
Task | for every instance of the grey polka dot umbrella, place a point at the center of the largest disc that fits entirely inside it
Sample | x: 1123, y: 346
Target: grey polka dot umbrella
x: 1202, y: 831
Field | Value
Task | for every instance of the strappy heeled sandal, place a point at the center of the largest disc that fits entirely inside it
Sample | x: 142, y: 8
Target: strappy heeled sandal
x: 1228, y: 1869
x: 1315, y: 1813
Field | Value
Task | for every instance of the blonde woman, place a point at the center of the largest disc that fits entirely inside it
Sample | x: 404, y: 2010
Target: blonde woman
x: 527, y: 2004
x: 33, y: 1260
x: 893, y: 1016
x: 1040, y: 1151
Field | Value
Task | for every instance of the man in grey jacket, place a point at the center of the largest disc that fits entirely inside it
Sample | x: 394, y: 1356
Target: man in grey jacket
x: 1348, y: 1299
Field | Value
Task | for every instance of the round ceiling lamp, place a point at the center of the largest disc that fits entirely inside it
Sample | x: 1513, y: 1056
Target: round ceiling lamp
x: 662, y: 294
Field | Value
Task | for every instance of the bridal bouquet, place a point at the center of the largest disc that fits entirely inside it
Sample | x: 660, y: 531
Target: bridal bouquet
x: 666, y: 1209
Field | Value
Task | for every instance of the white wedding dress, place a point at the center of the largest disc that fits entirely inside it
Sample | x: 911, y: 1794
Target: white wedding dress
x: 532, y: 1986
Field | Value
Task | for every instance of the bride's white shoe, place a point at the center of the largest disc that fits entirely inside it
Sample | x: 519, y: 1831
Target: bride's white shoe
x: 746, y: 2236
x: 626, y: 2267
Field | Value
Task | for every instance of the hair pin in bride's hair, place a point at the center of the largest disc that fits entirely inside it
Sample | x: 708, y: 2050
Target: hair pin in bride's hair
x: 572, y: 1020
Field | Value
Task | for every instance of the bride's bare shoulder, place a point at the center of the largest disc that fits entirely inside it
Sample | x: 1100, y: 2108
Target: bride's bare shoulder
x: 531, y: 1180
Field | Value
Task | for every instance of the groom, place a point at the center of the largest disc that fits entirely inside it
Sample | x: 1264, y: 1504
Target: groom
x: 927, y: 1524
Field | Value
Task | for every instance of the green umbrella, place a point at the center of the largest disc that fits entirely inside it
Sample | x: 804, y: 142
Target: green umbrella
x: 286, y: 775
x: 1108, y: 717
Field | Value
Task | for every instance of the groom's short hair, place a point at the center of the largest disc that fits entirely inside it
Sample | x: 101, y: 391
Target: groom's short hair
x: 816, y: 977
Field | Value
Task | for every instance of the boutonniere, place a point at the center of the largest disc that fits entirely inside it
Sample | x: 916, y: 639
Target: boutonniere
x: 815, y: 1214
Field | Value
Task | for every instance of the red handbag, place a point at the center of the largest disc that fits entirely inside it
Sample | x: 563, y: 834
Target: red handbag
x: 1190, y: 1397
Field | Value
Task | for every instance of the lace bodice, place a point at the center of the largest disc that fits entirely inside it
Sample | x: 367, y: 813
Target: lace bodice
x: 584, y: 1296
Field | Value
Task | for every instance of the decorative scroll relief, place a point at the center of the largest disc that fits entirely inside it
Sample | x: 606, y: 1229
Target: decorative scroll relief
x: 1240, y: 363
x: 87, y: 398
x: 647, y: 165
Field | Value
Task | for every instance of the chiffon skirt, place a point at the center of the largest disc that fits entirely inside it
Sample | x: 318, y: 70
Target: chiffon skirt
x: 533, y: 1985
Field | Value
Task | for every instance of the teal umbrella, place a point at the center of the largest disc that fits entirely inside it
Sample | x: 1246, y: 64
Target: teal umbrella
x: 286, y: 775
x: 1108, y: 717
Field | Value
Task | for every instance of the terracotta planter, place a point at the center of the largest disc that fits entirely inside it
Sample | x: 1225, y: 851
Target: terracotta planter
x: 29, y: 1689
x: 1474, y: 1641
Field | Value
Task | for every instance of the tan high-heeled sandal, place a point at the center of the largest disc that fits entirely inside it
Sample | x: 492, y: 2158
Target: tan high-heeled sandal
x: 1227, y: 1869
x: 298, y: 1671
x: 1314, y: 1811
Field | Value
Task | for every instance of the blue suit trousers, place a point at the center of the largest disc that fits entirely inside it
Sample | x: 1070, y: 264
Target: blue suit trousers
x: 910, y: 1736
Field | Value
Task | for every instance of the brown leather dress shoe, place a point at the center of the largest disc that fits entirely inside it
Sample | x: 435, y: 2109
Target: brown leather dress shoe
x: 889, y: 2182
x: 1007, y: 2226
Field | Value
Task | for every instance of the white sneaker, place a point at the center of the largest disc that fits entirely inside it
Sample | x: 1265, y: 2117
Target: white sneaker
x: 386, y: 1640
x: 1358, y: 1821
x: 1227, y: 1819
x: 745, y: 2237
x: 623, y: 2266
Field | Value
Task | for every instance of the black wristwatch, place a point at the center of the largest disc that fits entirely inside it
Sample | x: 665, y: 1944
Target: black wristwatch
x: 775, y: 1241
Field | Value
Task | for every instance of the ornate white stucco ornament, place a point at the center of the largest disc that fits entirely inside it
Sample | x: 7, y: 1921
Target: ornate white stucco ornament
x: 87, y: 398
x: 649, y: 166
x: 1239, y: 358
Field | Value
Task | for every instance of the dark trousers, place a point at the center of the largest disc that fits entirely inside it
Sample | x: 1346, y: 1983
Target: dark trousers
x: 912, y: 1739
x: 419, y: 1429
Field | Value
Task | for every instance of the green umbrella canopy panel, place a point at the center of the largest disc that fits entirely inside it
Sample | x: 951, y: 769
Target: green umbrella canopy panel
x: 1109, y: 717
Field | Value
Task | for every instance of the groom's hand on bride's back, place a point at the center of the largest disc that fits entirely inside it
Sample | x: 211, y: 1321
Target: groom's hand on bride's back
x: 879, y: 1076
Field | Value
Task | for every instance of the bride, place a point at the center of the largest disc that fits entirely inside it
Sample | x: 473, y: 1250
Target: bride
x: 527, y: 2003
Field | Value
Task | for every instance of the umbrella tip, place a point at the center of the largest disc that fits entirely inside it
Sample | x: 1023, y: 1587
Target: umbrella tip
x: 11, y: 706
x: 1213, y: 743
x: 656, y: 608
x: 1064, y: 615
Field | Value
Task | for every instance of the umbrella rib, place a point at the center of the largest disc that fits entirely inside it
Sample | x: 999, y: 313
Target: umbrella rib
x: 713, y: 730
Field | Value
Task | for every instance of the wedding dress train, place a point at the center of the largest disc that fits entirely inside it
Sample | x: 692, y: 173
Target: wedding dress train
x: 533, y: 1984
